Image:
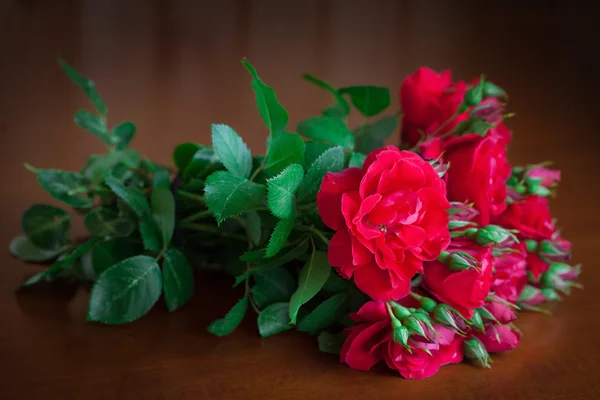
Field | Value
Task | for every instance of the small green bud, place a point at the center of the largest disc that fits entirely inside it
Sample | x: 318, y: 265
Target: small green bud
x: 486, y: 315
x: 491, y: 234
x: 424, y: 317
x: 400, y: 335
x: 529, y: 293
x: 428, y: 304
x: 492, y: 90
x: 445, y: 316
x: 459, y: 224
x: 414, y: 326
x: 396, y: 323
x: 461, y: 261
x: 399, y: 311
x: 477, y: 321
x: 475, y: 94
x: 550, y: 294
x: 549, y: 249
x: 475, y: 350
x: 531, y: 245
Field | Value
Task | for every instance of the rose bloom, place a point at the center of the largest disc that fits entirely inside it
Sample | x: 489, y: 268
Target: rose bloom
x: 531, y: 216
x: 498, y: 338
x: 388, y: 216
x: 370, y: 341
x: 478, y: 173
x: 428, y: 99
x: 509, y: 275
x: 463, y: 290
x: 503, y: 313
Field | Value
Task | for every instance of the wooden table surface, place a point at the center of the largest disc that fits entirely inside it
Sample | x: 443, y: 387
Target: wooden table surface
x: 174, y: 68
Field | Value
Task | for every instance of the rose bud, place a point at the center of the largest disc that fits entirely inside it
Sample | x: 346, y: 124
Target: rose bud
x: 498, y: 338
x: 461, y: 261
x: 474, y: 95
x: 476, y: 320
x: 400, y: 335
x: 492, y: 90
x: 530, y: 296
x: 491, y: 234
x: 546, y: 177
x: 427, y: 303
x: 475, y: 350
x: 462, y: 212
x: 552, y: 250
x: 501, y: 312
x: 446, y: 315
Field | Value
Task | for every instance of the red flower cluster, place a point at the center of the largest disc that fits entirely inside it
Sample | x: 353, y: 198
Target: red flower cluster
x: 437, y: 299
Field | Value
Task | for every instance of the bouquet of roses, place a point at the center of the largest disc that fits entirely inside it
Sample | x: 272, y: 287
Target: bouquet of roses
x: 417, y: 255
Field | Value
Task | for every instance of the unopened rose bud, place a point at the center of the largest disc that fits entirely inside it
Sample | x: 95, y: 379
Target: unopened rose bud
x: 492, y: 90
x: 474, y: 95
x: 531, y: 245
x: 400, y: 312
x: 425, y: 319
x: 446, y: 315
x: 530, y: 295
x: 414, y: 326
x: 455, y: 224
x: 550, y: 294
x: 461, y: 261
x: 491, y: 234
x: 477, y: 321
x: 400, y: 335
x: 486, y: 315
x: 552, y: 250
x: 475, y: 350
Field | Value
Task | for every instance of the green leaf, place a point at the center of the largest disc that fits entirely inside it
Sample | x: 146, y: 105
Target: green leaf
x: 273, y: 320
x: 106, y: 222
x: 312, y: 278
x: 342, y: 106
x: 327, y: 129
x: 92, y: 123
x: 232, y: 319
x: 324, y: 315
x: 85, y: 84
x: 110, y: 252
x: 369, y: 100
x: 271, y: 111
x: 131, y: 196
x: 330, y: 161
x: 152, y: 236
x: 22, y: 248
x: 67, y: 187
x: 372, y: 136
x: 231, y: 150
x: 285, y: 149
x: 161, y: 179
x: 253, y: 227
x: 284, y: 258
x: 183, y: 153
x: 203, y: 162
x: 57, y: 268
x: 122, y: 134
x: 126, y: 291
x: 227, y: 195
x: 335, y: 111
x: 331, y: 343
x: 314, y: 149
x: 336, y: 284
x: 163, y: 211
x: 273, y: 286
x: 47, y: 227
x: 282, y: 190
x: 356, y: 160
x: 178, y: 279
x: 280, y: 235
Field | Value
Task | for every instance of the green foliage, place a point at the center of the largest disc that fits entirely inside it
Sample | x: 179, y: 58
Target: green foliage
x: 46, y: 226
x: 314, y: 149
x: 110, y: 252
x: 370, y: 137
x: 253, y: 226
x: 286, y: 149
x: 85, y: 84
x: 203, y: 162
x: 274, y: 319
x: 280, y: 235
x: 22, y: 248
x: 178, y: 279
x: 369, y: 100
x: 122, y: 134
x: 272, y: 286
x: 163, y: 211
x: 327, y: 129
x: 356, y: 160
x: 106, y: 222
x: 232, y: 319
x: 67, y: 187
x: 324, y: 315
x: 341, y: 108
x: 126, y: 291
x: 231, y: 150
x: 182, y: 155
x: 227, y: 195
x: 282, y: 190
x: 131, y: 196
x: 271, y: 111
x: 330, y: 161
x: 331, y: 342
x: 312, y: 278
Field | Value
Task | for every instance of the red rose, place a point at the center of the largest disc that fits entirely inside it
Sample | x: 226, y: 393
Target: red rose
x: 388, y: 218
x: 530, y: 216
x: 509, y: 273
x: 503, y: 313
x: 463, y: 290
x: 536, y: 265
x: 498, y: 338
x: 478, y: 173
x: 428, y: 100
x: 370, y: 341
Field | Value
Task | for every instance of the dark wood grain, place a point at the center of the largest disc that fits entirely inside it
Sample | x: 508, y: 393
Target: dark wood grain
x: 173, y: 68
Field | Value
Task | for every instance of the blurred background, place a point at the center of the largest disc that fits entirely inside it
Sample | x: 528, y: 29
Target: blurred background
x: 173, y: 67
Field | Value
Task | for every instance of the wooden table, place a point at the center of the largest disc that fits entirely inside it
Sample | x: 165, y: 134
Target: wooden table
x: 173, y: 69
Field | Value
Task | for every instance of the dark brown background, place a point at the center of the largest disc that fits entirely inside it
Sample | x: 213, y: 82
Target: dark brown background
x: 173, y: 67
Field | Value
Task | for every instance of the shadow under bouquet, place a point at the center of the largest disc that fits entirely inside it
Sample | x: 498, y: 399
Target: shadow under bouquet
x: 417, y: 256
